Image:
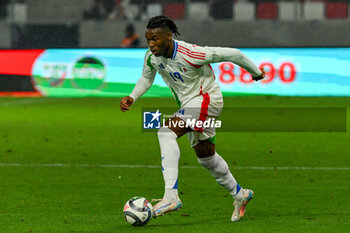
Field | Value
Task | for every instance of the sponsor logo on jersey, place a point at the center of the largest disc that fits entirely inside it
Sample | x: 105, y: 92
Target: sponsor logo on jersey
x: 181, y: 67
x: 181, y: 111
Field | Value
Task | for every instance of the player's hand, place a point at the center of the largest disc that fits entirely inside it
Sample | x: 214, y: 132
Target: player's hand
x: 125, y: 103
x: 261, y: 76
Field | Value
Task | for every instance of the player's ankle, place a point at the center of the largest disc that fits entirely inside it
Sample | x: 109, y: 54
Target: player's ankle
x: 238, y: 196
x: 171, y: 194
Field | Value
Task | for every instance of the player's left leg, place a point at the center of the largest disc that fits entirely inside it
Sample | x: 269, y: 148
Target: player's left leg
x: 217, y: 166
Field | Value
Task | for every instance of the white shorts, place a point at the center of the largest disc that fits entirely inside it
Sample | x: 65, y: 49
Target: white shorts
x: 206, y: 107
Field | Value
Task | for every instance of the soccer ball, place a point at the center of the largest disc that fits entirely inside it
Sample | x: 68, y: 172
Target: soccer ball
x: 138, y: 211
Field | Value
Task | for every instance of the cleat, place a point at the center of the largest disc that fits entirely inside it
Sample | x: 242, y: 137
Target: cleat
x: 165, y: 206
x: 239, y: 211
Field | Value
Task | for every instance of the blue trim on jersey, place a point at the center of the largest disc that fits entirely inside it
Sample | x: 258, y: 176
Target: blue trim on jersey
x: 175, y: 50
x: 175, y: 186
x: 238, y: 188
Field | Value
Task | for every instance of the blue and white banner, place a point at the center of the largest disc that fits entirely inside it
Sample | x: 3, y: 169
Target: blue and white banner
x: 290, y: 72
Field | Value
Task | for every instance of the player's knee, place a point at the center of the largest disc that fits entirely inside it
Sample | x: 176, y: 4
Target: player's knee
x: 166, y: 133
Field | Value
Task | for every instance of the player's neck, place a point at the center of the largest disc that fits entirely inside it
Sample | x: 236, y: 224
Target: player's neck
x: 170, y: 50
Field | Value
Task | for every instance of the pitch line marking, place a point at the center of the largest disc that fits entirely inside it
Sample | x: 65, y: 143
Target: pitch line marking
x: 22, y: 102
x: 158, y: 167
x: 33, y: 100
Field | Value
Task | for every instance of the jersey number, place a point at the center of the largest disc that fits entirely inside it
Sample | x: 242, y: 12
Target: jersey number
x: 176, y: 75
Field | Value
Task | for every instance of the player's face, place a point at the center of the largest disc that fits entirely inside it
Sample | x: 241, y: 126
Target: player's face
x: 159, y: 41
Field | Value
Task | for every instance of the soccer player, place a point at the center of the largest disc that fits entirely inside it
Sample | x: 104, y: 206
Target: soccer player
x: 186, y: 70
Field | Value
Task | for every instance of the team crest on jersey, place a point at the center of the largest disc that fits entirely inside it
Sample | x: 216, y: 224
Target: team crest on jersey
x: 181, y: 67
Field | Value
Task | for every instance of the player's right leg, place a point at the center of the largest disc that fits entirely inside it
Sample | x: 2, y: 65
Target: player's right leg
x: 170, y: 153
x: 218, y: 167
x: 203, y: 142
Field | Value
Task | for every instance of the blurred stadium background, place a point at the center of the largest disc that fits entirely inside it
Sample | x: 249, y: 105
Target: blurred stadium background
x: 240, y: 23
x: 69, y: 164
x: 44, y: 26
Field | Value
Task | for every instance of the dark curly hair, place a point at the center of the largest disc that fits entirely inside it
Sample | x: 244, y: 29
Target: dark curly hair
x: 162, y: 21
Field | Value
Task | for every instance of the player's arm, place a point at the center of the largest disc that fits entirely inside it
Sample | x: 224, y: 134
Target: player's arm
x: 142, y: 85
x: 220, y: 54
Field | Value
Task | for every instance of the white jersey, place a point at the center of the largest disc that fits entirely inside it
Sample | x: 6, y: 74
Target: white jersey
x: 188, y: 72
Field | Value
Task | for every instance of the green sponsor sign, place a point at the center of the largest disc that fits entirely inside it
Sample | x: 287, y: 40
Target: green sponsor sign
x: 88, y: 73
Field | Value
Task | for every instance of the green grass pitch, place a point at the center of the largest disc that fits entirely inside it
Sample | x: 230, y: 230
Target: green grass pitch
x: 68, y: 196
